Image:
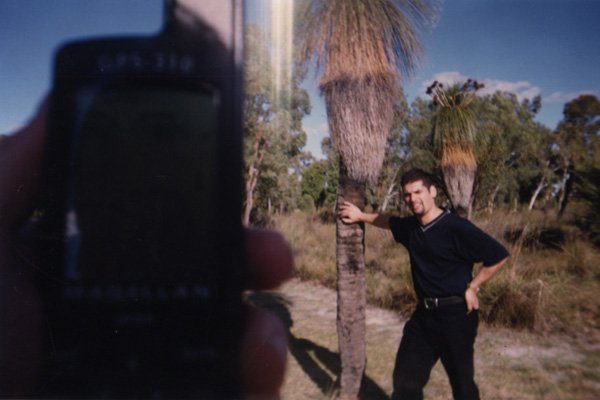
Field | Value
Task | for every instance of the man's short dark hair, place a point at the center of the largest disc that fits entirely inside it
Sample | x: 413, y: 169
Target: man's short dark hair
x: 417, y: 174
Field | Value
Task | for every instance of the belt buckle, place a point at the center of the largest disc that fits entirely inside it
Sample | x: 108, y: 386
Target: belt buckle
x: 430, y: 303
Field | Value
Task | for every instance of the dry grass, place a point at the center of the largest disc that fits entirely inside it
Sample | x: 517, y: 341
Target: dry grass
x: 313, y: 244
x: 549, y: 285
x: 541, y: 337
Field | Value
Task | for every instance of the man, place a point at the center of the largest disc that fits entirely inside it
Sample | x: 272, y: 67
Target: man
x: 443, y: 248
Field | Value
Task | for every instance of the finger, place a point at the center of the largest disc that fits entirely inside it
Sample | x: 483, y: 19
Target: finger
x: 264, y: 354
x: 269, y: 259
x: 469, y: 305
x: 472, y: 305
x: 20, y: 163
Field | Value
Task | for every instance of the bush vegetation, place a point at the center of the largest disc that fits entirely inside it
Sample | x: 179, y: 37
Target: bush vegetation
x: 549, y: 285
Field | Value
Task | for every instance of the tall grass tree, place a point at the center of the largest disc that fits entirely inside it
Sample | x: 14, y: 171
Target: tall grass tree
x: 361, y: 49
x: 454, y: 137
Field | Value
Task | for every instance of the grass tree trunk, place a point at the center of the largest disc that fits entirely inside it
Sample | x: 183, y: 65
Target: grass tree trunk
x: 361, y: 49
x: 359, y: 114
x: 459, y: 168
x: 351, y: 302
x: 454, y: 138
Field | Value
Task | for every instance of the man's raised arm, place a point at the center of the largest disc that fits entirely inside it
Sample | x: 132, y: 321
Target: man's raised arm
x: 350, y: 214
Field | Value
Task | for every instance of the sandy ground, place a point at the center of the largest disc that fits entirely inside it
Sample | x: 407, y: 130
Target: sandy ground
x: 509, y: 364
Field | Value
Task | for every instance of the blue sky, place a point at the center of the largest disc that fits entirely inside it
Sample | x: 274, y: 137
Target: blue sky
x: 529, y: 47
x: 549, y: 48
x: 30, y: 31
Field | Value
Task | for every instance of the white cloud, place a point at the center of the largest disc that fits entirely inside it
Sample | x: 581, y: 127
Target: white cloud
x: 562, y: 97
x: 522, y: 89
x: 447, y: 78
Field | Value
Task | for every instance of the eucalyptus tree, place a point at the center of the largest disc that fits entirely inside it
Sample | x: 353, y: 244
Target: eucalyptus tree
x: 361, y: 49
x: 274, y: 137
x: 577, y: 142
x: 419, y: 142
x: 512, y: 151
x: 582, y: 115
x: 454, y: 137
x: 589, y: 192
x: 314, y: 182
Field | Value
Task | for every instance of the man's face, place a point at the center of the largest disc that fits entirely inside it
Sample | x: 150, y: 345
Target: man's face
x: 419, y: 198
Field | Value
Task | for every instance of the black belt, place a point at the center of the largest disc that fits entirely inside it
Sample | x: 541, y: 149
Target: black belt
x: 431, y: 303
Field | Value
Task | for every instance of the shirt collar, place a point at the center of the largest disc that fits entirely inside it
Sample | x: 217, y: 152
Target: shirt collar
x: 435, y: 221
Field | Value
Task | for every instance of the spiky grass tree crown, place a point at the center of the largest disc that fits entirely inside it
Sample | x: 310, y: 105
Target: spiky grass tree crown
x: 454, y: 121
x: 362, y: 48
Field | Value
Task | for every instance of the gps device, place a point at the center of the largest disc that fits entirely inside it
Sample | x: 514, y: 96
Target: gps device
x: 141, y: 242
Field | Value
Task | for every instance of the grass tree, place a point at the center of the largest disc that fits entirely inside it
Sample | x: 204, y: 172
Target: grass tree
x: 454, y: 139
x: 361, y: 48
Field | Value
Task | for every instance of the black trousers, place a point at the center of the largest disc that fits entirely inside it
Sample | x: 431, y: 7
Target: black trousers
x: 447, y: 333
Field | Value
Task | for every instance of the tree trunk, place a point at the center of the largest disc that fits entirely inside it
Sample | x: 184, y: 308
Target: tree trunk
x: 252, y: 179
x: 492, y: 199
x: 566, y: 187
x: 537, y: 192
x: 389, y: 194
x: 459, y: 180
x: 351, y: 292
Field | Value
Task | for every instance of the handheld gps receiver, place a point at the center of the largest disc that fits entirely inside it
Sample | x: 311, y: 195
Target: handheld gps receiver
x: 141, y: 236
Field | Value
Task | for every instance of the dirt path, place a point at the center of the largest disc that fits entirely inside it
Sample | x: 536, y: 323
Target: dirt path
x: 509, y: 364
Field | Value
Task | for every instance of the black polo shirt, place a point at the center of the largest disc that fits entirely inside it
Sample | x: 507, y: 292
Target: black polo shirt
x: 442, y: 253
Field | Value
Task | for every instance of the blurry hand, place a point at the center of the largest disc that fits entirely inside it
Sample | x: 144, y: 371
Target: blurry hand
x: 20, y: 311
x: 264, y: 346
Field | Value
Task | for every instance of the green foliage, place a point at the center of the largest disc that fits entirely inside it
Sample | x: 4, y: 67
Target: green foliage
x: 589, y: 192
x: 419, y: 138
x: 306, y: 203
x: 274, y: 136
x: 576, y: 143
x: 512, y: 151
x: 324, y: 194
x: 314, y: 181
